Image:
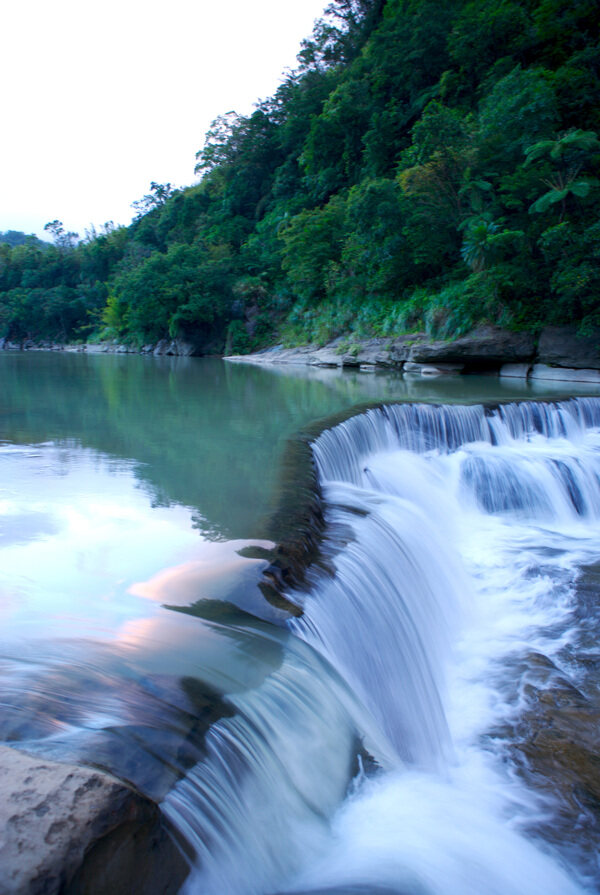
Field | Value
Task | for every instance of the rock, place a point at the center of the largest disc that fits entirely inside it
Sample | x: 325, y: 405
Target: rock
x: 185, y: 349
x: 400, y: 350
x: 486, y: 346
x: 377, y: 352
x: 432, y: 369
x: 325, y: 357
x: 554, y: 742
x: 562, y: 346
x: 173, y: 348
x: 104, y: 348
x: 515, y: 371
x: 384, y: 353
x: 385, y: 359
x: 564, y: 374
x: 71, y: 830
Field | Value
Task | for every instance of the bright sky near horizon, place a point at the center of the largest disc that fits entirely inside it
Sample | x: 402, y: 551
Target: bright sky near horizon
x: 100, y: 99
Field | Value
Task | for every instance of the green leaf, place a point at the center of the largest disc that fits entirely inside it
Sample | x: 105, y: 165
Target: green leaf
x: 580, y: 188
x: 558, y: 195
x: 543, y: 203
x: 538, y: 150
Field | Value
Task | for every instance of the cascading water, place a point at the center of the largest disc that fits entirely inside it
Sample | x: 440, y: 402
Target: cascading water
x: 457, y: 536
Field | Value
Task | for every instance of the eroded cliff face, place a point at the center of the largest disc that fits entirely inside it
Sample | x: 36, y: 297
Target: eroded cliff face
x: 77, y: 830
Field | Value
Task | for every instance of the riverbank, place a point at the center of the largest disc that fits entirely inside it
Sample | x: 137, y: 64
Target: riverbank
x: 558, y: 354
x: 165, y: 347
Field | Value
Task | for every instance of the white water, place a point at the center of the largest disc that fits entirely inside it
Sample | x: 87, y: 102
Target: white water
x: 456, y: 536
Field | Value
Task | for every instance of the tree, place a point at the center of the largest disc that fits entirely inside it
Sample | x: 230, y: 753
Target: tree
x: 218, y: 143
x: 18, y: 238
x: 312, y: 247
x: 158, y: 195
x: 477, y: 249
x: 569, y: 154
x: 62, y: 239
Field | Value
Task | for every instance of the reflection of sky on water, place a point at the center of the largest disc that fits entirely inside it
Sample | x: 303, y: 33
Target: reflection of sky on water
x: 93, y: 548
x: 93, y: 666
x: 83, y: 552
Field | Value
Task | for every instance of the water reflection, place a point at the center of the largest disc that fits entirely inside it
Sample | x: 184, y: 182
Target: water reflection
x: 93, y: 667
x: 128, y: 485
x: 200, y: 432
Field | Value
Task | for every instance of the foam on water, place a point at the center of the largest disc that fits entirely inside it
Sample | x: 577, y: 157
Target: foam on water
x: 456, y: 534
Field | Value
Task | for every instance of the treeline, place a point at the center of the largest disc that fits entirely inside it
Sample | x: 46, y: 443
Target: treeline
x: 430, y: 164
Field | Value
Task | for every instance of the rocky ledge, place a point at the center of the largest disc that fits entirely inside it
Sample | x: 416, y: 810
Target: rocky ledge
x: 164, y: 348
x: 78, y: 831
x: 558, y: 354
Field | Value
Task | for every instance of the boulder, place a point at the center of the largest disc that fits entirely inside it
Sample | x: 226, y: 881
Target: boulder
x: 562, y: 346
x: 97, y: 348
x: 486, y: 346
x: 174, y: 348
x: 183, y: 349
x: 325, y: 357
x: 515, y: 371
x: 77, y: 831
x: 432, y: 369
x: 564, y: 374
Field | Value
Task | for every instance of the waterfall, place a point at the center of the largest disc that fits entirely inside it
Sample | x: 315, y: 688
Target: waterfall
x: 455, y: 537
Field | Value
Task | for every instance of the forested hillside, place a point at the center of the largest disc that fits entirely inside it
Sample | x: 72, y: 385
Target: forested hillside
x: 429, y: 164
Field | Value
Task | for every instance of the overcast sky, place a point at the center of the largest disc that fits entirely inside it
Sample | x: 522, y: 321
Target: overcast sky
x: 101, y: 98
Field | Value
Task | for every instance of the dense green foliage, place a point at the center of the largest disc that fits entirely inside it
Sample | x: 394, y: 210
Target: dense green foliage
x: 428, y: 165
x: 18, y: 238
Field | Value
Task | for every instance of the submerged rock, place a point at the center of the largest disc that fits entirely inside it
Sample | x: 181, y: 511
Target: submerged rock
x: 71, y: 830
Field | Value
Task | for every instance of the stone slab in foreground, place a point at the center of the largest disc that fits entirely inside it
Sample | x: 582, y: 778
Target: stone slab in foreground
x: 78, y: 831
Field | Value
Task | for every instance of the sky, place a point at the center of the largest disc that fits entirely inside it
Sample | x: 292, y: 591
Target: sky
x: 101, y: 98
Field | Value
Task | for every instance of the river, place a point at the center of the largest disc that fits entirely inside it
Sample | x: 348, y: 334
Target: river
x: 426, y: 726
